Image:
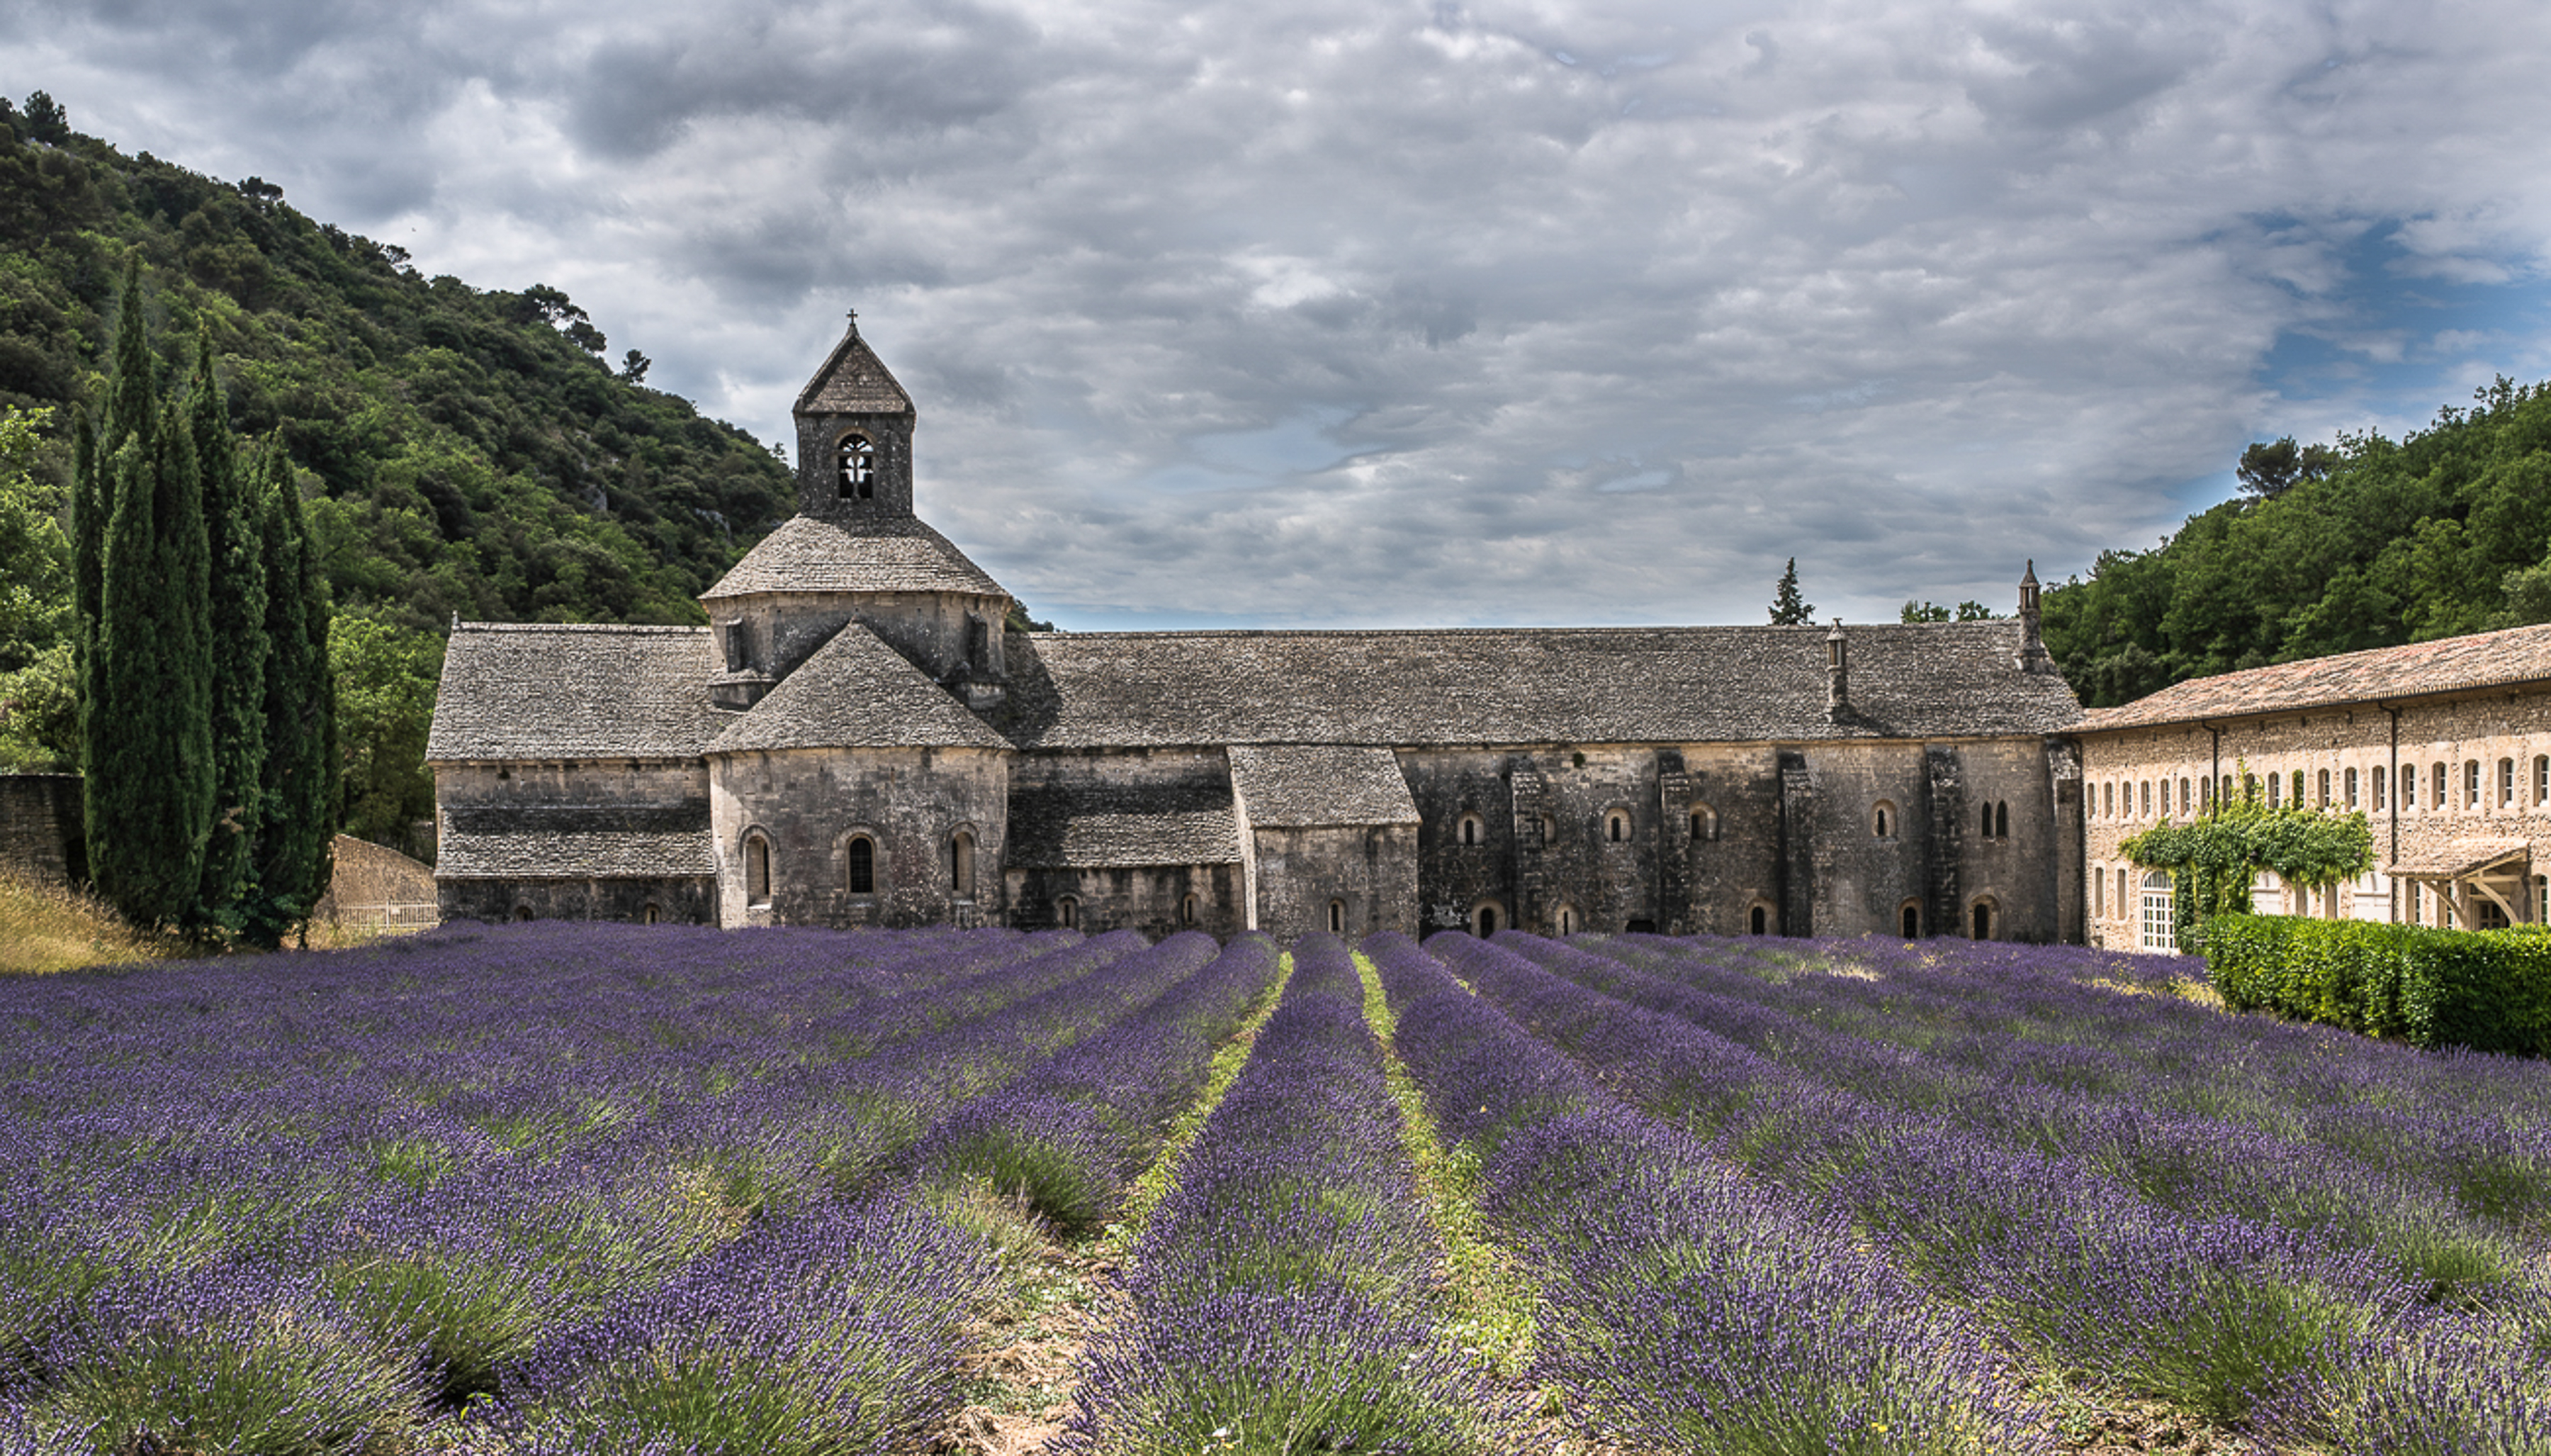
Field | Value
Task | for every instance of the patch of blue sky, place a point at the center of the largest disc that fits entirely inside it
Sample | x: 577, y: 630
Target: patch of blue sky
x: 2402, y: 331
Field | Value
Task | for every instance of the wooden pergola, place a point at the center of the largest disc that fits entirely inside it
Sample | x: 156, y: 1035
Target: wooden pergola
x: 2468, y: 872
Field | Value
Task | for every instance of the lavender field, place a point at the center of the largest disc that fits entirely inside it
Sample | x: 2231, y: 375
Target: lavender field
x: 555, y: 1189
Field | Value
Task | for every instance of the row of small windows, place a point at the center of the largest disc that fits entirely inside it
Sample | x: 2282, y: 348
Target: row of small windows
x: 1066, y: 913
x: 863, y: 866
x: 2475, y: 788
x: 1488, y: 918
x: 1886, y: 822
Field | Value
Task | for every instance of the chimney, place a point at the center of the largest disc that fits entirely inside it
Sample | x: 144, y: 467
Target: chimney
x: 1837, y: 674
x: 2033, y: 656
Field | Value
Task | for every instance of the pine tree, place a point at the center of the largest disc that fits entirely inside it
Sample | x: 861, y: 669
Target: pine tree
x: 233, y: 528
x: 300, y: 789
x: 1788, y: 609
x: 146, y: 725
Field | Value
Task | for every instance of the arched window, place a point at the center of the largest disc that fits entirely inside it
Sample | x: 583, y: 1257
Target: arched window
x: 859, y: 857
x: 2506, y: 783
x: 2440, y: 799
x: 1983, y: 920
x: 523, y: 911
x: 1484, y: 920
x: 2249, y: 789
x: 651, y: 914
x: 961, y: 863
x: 2099, y: 892
x: 1885, y: 819
x: 2147, y: 786
x: 2205, y: 792
x: 1337, y: 918
x: 1704, y: 822
x: 2110, y: 795
x: 1616, y: 825
x: 2323, y: 800
x: 1066, y: 913
x: 2001, y: 819
x: 1188, y: 910
x: 2382, y: 784
x: 2470, y: 784
x: 2348, y: 781
x: 2272, y: 791
x: 1986, y: 830
x: 2159, y: 930
x: 1566, y: 919
x: 1909, y: 920
x: 756, y: 869
x: 1549, y: 830
x: 1472, y: 828
x: 854, y: 460
x: 1760, y: 921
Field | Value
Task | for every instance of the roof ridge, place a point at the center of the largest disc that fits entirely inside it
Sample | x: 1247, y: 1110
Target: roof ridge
x: 1817, y: 628
x: 635, y: 627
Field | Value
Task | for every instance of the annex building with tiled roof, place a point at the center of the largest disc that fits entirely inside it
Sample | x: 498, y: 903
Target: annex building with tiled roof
x: 860, y: 737
x: 2445, y: 746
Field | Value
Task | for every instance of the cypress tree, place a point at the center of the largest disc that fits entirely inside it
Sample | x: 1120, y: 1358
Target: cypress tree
x: 148, y: 789
x: 299, y: 789
x: 233, y: 528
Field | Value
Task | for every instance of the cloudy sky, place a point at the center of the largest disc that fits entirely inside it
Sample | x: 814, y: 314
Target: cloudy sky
x: 1381, y: 313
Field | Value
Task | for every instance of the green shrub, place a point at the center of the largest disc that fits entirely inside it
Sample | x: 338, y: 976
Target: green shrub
x: 2489, y: 990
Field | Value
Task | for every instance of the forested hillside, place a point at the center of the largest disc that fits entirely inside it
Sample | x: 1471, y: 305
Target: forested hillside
x: 2367, y: 543
x: 458, y: 450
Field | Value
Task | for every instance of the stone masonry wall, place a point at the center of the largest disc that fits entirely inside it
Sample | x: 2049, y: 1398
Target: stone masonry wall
x: 910, y: 804
x: 1369, y: 871
x: 41, y: 837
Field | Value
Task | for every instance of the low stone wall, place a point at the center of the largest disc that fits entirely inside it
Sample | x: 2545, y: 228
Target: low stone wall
x: 378, y: 889
x: 41, y: 838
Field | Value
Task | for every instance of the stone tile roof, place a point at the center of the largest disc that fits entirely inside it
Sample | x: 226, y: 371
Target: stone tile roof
x: 1314, y: 785
x: 549, y: 691
x: 2449, y: 664
x: 883, y: 554
x: 1088, y: 825
x: 853, y: 381
x: 1523, y: 685
x: 856, y: 692
x: 574, y: 841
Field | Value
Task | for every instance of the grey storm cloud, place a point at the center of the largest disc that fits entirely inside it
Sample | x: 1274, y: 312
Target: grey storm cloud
x: 1351, y: 313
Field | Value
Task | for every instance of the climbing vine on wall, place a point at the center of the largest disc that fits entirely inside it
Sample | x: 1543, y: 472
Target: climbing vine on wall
x: 2214, y: 859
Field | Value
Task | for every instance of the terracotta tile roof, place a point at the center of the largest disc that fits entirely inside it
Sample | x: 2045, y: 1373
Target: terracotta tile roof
x: 2448, y: 665
x: 853, y: 381
x: 856, y: 692
x: 882, y: 553
x: 547, y: 691
x: 574, y: 841
x: 2457, y: 857
x: 1523, y: 685
x: 1295, y: 786
x: 1081, y: 824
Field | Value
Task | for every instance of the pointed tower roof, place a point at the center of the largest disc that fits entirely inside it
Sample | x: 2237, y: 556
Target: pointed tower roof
x: 853, y: 381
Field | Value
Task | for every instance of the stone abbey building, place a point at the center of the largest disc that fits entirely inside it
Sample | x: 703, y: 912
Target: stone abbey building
x: 859, y: 739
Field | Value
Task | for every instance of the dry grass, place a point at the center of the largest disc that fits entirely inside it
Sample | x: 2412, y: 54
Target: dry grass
x: 44, y: 929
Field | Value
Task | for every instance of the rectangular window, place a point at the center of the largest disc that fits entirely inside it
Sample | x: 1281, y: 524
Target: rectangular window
x: 2351, y: 789
x: 2121, y: 893
x: 2323, y: 800
x: 2542, y: 778
x: 2439, y: 799
x: 2099, y: 894
x: 2157, y: 927
x: 2379, y: 775
x: 2409, y: 789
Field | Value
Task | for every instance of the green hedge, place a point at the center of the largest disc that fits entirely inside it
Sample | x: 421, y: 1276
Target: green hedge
x: 2490, y: 990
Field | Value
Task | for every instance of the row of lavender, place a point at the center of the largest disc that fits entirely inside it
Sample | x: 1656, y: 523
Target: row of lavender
x: 1283, y: 1294
x: 1686, y: 1307
x: 2246, y: 1275
x: 564, y: 1187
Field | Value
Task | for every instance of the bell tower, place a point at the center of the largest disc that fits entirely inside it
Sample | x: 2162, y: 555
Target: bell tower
x: 854, y: 438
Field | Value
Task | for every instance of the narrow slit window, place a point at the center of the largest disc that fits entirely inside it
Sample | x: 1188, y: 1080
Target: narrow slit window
x: 1337, y: 918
